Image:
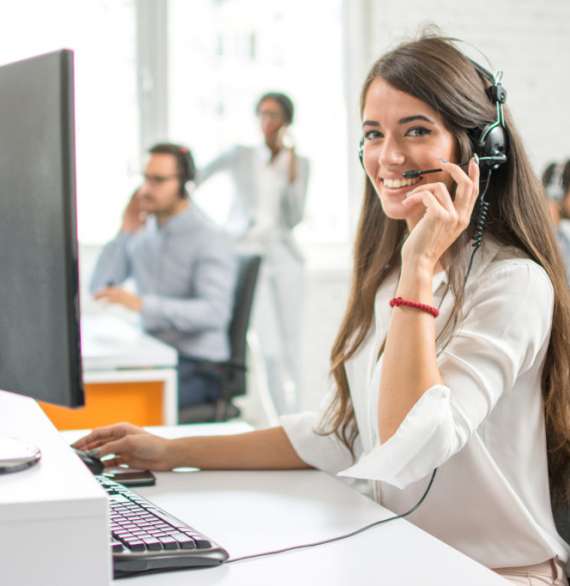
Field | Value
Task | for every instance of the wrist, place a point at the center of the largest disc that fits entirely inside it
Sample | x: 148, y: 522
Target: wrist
x: 418, y: 271
x: 175, y: 452
x: 416, y: 282
x: 421, y: 264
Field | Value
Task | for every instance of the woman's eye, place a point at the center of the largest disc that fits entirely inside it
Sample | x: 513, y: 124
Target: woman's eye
x: 418, y: 131
x: 372, y: 134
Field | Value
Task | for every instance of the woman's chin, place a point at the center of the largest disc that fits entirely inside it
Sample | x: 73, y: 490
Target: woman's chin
x: 395, y: 211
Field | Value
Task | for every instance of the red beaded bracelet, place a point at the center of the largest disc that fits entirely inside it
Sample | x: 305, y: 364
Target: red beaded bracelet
x: 398, y: 301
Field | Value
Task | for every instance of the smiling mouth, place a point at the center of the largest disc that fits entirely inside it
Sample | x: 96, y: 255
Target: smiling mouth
x: 399, y: 183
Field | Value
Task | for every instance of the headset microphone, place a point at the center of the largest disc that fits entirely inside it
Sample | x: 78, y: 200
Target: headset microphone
x: 414, y: 173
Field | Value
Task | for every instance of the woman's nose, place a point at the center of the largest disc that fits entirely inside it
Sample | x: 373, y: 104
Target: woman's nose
x: 391, y: 154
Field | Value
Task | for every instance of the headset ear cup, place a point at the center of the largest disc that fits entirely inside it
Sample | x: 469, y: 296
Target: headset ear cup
x: 187, y: 169
x: 183, y: 177
x: 492, y: 146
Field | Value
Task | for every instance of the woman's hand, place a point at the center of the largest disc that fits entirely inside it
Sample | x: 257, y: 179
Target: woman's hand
x: 442, y: 220
x: 130, y: 445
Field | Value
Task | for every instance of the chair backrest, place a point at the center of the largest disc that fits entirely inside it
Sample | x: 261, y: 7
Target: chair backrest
x: 248, y: 271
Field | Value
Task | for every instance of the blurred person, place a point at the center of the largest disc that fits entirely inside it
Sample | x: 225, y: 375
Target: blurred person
x: 270, y: 183
x: 557, y: 194
x: 565, y: 186
x: 184, y: 269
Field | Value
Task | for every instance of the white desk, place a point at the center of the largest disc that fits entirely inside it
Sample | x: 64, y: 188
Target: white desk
x: 53, y: 516
x: 116, y: 351
x: 251, y: 512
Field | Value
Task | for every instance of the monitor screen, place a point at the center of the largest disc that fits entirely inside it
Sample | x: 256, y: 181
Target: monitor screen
x: 40, y: 354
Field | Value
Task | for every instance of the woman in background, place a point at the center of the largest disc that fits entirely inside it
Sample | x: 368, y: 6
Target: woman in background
x: 270, y: 183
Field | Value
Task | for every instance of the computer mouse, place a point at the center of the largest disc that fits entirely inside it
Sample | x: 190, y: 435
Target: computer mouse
x: 91, y: 461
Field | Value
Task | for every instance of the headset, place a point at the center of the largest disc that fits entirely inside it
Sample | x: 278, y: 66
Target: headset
x: 187, y: 168
x: 489, y: 142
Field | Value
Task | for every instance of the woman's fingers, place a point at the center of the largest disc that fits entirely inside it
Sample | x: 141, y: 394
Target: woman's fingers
x: 96, y: 438
x: 460, y: 209
x: 102, y: 435
x: 119, y: 448
x: 467, y: 187
x: 429, y: 201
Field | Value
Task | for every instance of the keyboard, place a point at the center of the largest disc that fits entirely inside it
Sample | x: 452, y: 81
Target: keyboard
x: 145, y: 538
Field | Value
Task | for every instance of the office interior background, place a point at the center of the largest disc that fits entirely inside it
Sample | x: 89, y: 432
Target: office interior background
x: 190, y: 71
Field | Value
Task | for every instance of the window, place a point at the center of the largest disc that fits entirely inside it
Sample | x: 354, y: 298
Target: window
x: 102, y: 34
x: 224, y: 55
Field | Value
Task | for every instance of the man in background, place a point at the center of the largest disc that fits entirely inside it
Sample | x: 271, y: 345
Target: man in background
x: 184, y: 269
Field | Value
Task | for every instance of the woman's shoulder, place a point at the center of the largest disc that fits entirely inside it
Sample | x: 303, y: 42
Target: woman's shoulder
x: 510, y: 270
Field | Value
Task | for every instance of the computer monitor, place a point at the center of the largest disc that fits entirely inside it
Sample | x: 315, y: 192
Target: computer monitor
x: 40, y: 354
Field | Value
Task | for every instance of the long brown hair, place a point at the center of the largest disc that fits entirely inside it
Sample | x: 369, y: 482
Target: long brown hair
x: 433, y: 70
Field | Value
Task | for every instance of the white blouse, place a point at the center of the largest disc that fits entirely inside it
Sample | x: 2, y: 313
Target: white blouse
x: 272, y: 179
x: 483, y: 429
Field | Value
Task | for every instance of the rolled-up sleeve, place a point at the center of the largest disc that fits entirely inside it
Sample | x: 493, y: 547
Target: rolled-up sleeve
x: 505, y: 329
x: 324, y: 452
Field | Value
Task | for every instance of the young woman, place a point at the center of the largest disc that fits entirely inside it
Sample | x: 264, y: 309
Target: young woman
x: 467, y: 377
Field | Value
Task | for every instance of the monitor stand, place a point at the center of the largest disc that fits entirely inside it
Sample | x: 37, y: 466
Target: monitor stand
x: 16, y: 454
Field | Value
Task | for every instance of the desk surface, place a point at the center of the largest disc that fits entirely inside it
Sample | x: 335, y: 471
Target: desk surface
x: 251, y: 512
x: 109, y: 342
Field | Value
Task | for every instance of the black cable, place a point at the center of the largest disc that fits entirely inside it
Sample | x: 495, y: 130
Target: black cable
x: 480, y: 224
x: 345, y: 536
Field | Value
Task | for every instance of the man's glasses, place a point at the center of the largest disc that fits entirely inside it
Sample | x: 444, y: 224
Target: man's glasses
x: 158, y: 179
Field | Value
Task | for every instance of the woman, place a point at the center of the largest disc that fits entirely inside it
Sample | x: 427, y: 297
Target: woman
x: 270, y: 191
x: 479, y: 392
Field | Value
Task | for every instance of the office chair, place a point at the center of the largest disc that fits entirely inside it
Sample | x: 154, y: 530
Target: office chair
x: 234, y: 370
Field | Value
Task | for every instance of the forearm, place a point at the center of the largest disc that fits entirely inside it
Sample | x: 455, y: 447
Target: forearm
x: 266, y: 449
x: 112, y: 266
x: 293, y: 170
x: 294, y: 198
x: 185, y: 315
x: 410, y: 360
x: 221, y: 163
